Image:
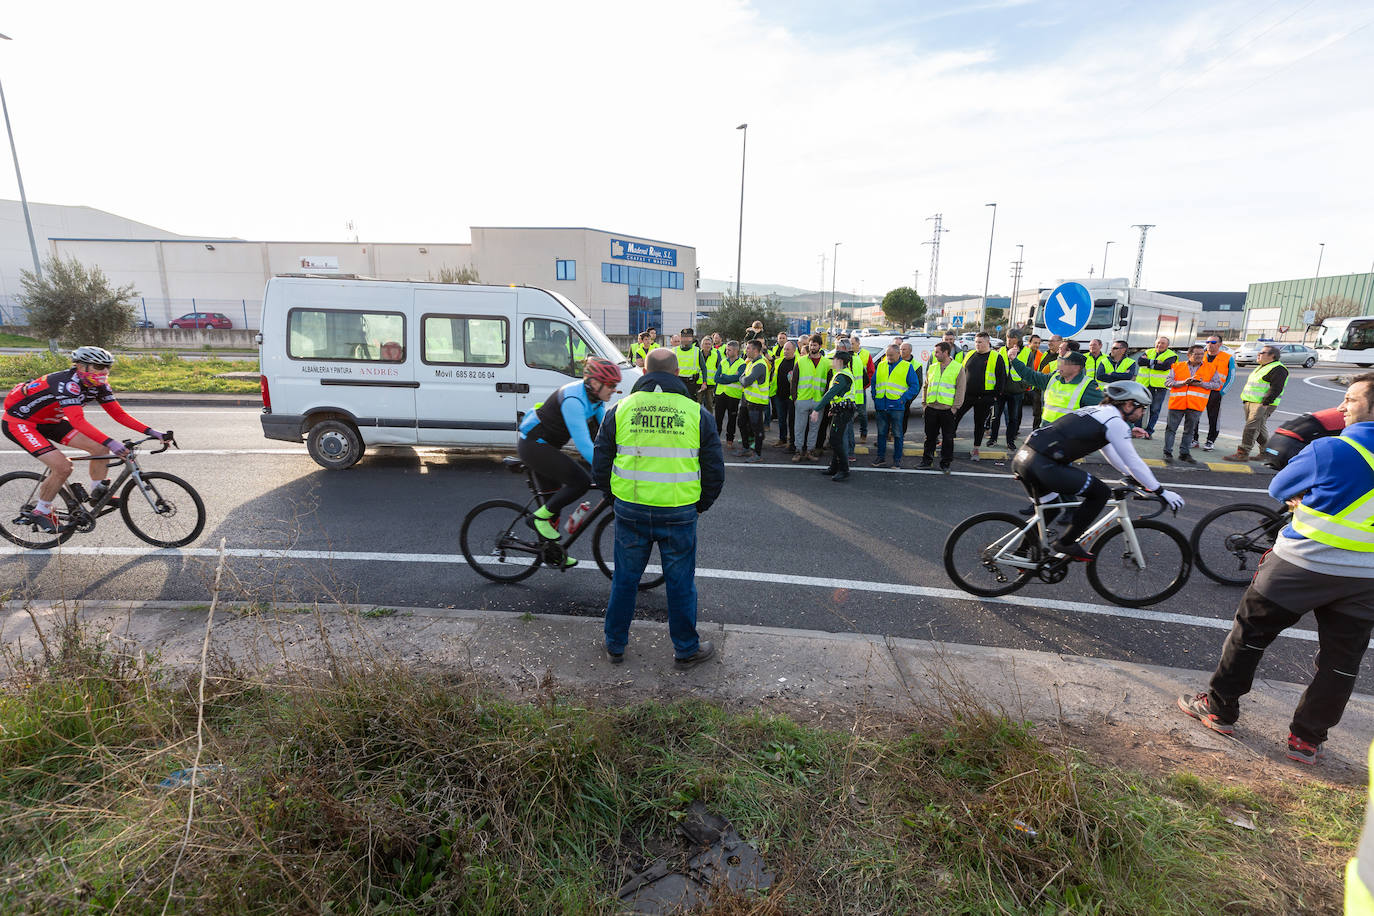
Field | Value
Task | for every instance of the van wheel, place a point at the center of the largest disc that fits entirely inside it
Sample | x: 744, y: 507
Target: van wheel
x: 334, y: 444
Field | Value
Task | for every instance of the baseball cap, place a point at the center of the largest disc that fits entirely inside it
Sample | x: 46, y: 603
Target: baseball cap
x: 1078, y: 359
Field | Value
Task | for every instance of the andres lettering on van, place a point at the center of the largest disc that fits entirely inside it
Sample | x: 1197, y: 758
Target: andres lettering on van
x: 380, y: 372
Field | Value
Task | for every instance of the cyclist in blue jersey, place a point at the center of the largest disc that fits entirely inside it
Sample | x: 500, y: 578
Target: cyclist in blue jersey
x: 572, y: 413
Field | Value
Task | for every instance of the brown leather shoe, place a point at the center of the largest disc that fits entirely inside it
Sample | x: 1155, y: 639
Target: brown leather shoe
x: 1237, y: 456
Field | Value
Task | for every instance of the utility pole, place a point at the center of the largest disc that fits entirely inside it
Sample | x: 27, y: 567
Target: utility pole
x: 1015, y: 282
x: 934, y: 244
x: 834, y: 269
x: 916, y: 281
x: 1140, y: 251
x: 820, y: 292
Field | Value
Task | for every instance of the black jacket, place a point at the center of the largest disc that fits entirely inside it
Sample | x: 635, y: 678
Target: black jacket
x: 710, y: 455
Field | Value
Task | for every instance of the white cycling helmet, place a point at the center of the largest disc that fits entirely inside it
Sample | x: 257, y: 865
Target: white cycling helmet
x: 1120, y: 392
x: 94, y: 356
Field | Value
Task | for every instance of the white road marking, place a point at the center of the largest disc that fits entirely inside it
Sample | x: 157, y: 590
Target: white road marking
x: 1315, y: 384
x: 856, y: 585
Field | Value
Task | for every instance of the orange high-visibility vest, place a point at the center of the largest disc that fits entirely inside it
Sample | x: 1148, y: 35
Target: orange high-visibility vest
x: 1190, y: 397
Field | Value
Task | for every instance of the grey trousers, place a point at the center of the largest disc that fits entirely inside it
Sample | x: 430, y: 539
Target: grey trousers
x: 1255, y: 432
x: 800, y: 419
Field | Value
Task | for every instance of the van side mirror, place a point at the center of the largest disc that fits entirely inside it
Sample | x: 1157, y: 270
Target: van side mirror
x: 1122, y: 314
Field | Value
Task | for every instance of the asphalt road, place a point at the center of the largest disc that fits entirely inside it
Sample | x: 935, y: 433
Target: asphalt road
x: 783, y: 547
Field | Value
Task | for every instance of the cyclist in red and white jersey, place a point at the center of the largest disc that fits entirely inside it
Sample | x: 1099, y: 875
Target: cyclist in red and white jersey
x: 50, y: 409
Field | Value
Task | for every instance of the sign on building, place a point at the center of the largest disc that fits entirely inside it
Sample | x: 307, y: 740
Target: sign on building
x: 320, y: 263
x: 643, y: 253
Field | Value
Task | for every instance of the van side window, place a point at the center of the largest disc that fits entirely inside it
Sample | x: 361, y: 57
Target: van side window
x: 552, y: 344
x: 346, y: 335
x: 465, y: 340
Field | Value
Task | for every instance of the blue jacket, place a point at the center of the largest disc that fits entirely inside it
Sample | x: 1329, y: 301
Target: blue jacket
x: 913, y: 388
x: 710, y: 455
x: 577, y: 408
x: 1330, y: 473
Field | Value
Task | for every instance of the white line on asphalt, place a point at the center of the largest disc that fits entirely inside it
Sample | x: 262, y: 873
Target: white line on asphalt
x: 1315, y: 384
x: 857, y: 585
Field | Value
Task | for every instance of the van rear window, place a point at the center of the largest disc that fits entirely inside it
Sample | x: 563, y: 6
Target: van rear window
x: 336, y: 334
x: 465, y: 340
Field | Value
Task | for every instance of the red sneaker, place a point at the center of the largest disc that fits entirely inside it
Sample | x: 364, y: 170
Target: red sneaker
x: 46, y: 520
x: 1304, y: 751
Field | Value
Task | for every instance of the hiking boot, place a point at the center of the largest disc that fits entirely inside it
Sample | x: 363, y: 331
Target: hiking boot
x: 1304, y: 751
x: 1186, y: 458
x: 1200, y: 708
x: 705, y: 650
x: 615, y: 658
x: 1237, y: 456
x: 800, y: 457
x: 1168, y: 455
x: 1074, y: 551
x: 880, y: 462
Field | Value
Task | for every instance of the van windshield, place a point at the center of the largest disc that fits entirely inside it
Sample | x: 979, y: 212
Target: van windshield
x: 603, y: 343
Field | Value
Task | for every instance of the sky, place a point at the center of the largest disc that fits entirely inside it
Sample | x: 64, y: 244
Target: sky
x: 1242, y: 130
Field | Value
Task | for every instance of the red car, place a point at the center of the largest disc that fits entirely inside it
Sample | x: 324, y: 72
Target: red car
x: 215, y: 320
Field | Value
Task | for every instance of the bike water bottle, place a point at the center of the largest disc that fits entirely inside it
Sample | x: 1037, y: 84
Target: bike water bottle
x: 575, y: 520
x: 79, y: 492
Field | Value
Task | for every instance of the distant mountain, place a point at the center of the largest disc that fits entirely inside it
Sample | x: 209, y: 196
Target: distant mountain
x: 755, y: 289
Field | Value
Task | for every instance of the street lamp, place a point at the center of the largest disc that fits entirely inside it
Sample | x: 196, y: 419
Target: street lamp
x: 987, y: 274
x: 739, y: 251
x: 1104, y: 258
x: 1321, y: 250
x: 1016, y: 285
x: 834, y: 263
x: 23, y: 199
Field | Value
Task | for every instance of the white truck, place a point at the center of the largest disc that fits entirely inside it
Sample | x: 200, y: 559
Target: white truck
x: 1124, y: 312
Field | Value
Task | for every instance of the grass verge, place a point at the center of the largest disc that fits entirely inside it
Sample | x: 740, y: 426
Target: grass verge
x: 168, y: 372
x: 385, y: 790
x: 18, y: 340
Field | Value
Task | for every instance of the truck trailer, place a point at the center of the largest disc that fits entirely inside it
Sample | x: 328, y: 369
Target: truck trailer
x: 1123, y: 312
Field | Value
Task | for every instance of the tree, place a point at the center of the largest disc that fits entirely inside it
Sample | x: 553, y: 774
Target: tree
x: 1334, y: 307
x: 737, y: 313
x: 904, y: 307
x: 74, y: 304
x: 465, y: 274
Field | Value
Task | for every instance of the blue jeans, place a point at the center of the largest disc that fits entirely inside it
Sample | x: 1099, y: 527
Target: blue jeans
x: 849, y: 439
x: 674, y: 530
x: 862, y: 411
x: 1158, y: 398
x: 889, y: 421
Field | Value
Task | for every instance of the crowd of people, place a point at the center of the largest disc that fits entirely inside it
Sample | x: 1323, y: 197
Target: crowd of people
x: 817, y: 394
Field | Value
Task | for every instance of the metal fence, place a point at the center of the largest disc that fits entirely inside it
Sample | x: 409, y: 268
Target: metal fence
x: 246, y: 314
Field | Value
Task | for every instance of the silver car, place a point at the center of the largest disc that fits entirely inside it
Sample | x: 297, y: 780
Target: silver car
x: 1289, y: 354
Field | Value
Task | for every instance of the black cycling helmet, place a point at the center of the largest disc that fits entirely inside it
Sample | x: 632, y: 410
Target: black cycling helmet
x: 1121, y: 392
x: 93, y: 356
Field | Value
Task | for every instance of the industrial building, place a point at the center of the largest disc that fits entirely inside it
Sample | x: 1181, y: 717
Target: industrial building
x: 1280, y: 308
x: 624, y: 282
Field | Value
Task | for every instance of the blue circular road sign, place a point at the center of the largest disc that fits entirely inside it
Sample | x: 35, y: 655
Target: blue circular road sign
x: 1068, y: 309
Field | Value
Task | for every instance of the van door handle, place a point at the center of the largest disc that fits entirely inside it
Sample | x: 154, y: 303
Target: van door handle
x: 512, y: 388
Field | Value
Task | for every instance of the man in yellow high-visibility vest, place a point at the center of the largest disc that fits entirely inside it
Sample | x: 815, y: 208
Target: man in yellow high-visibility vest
x: 659, y: 456
x: 1322, y: 562
x: 1262, y: 392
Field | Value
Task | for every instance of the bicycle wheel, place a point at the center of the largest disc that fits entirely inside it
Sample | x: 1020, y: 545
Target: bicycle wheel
x: 165, y: 511
x: 603, y: 548
x: 1229, y: 542
x: 498, y: 544
x: 18, y: 493
x: 971, y: 546
x: 1116, y: 575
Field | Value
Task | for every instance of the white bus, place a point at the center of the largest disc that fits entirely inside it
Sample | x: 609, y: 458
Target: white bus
x: 1346, y: 340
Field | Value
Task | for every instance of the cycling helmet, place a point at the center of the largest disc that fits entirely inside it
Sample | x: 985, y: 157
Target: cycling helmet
x: 1120, y: 392
x: 94, y: 356
x: 600, y: 370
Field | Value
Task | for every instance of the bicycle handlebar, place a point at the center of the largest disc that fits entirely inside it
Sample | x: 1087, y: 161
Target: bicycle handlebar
x: 1141, y: 494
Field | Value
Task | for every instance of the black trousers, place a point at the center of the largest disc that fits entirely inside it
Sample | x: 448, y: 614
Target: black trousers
x: 1213, y: 415
x: 906, y: 418
x: 824, y: 428
x: 939, y: 424
x: 784, y: 408
x: 1036, y: 398
x: 1281, y: 595
x: 727, y: 407
x: 751, y: 426
x: 981, y: 404
x: 554, y: 467
x: 840, y: 418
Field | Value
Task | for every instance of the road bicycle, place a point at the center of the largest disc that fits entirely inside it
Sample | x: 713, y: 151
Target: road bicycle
x: 1229, y: 542
x: 1137, y: 561
x: 499, y: 541
x: 160, y: 508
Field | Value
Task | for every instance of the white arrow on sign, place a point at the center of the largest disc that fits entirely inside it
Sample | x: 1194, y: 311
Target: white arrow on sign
x: 1069, y: 313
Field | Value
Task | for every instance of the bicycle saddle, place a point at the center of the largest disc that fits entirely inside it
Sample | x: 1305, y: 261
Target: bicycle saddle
x: 514, y: 465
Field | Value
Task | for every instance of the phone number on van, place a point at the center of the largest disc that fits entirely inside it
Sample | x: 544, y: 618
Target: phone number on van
x: 464, y: 373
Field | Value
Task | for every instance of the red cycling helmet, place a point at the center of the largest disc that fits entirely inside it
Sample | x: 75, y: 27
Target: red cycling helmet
x: 601, y: 370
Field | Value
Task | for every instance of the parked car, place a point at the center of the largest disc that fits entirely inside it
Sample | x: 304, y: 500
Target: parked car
x: 1289, y: 354
x: 196, y: 320
x: 143, y: 323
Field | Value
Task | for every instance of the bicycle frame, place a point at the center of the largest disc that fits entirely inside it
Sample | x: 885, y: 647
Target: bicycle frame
x: 1003, y: 549
x: 538, y: 498
x: 84, y: 519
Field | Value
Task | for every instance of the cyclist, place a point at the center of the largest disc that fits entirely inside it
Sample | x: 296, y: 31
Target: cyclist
x: 1044, y: 463
x: 50, y: 408
x: 573, y: 412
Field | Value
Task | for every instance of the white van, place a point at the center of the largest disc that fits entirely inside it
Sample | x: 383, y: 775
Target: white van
x: 349, y: 363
